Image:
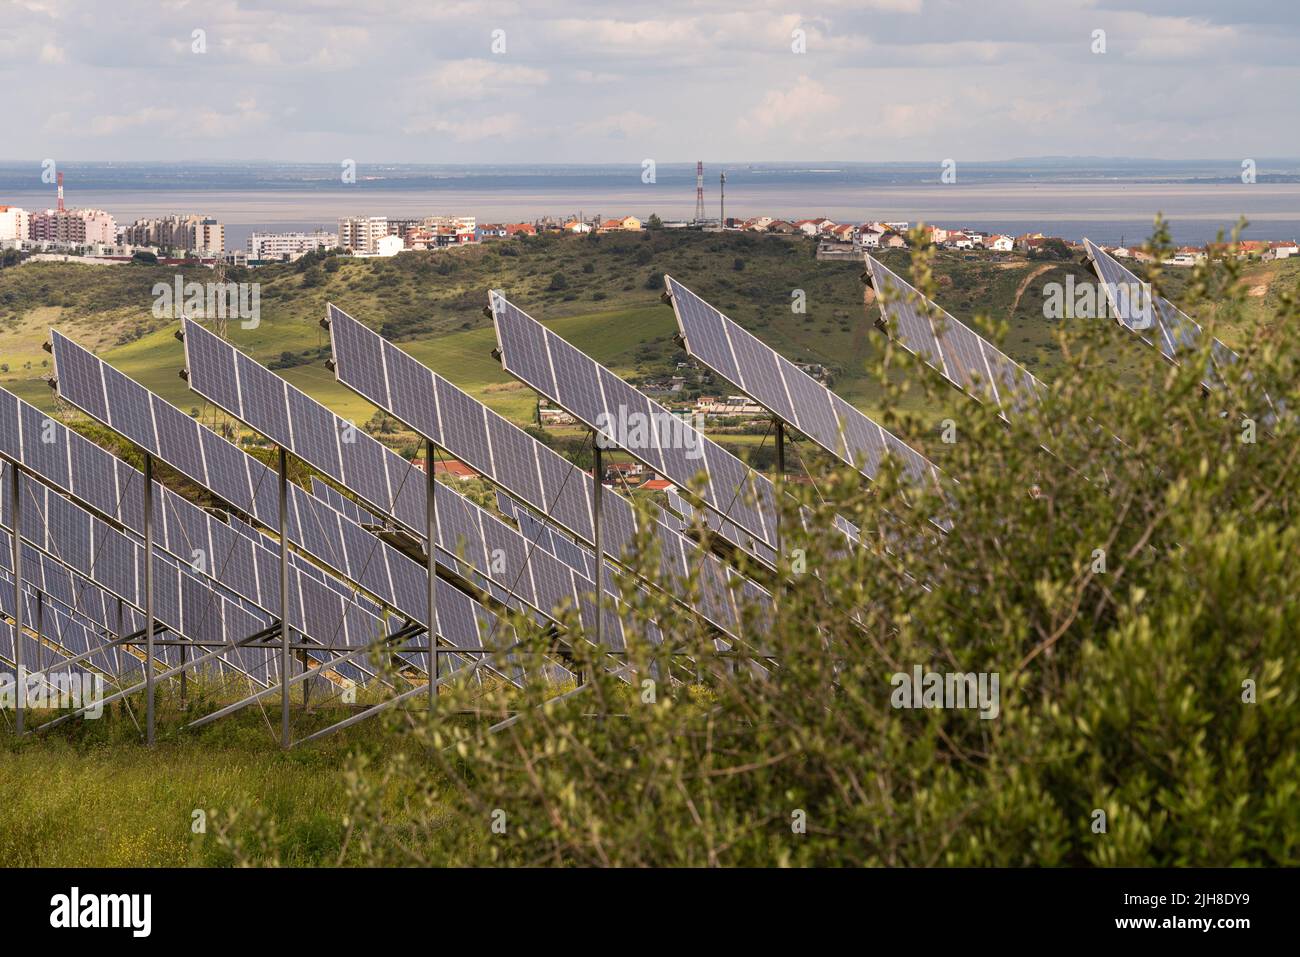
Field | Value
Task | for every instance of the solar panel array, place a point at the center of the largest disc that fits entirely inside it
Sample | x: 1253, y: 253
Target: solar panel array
x: 206, y: 458
x: 242, y: 566
x: 529, y: 471
x: 633, y: 422
x: 72, y: 634
x: 115, y: 563
x: 788, y: 392
x: 487, y: 545
x: 545, y: 536
x: 1154, y: 319
x: 950, y: 347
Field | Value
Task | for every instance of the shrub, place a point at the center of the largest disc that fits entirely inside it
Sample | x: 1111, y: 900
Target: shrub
x: 1130, y: 587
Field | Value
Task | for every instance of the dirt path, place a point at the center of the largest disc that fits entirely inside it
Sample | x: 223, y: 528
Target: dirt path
x: 1024, y: 284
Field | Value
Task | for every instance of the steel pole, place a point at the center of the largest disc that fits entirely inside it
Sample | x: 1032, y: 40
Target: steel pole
x: 284, y: 599
x: 15, y: 519
x: 40, y: 631
x: 431, y: 533
x: 780, y: 478
x: 595, y: 518
x: 148, y: 601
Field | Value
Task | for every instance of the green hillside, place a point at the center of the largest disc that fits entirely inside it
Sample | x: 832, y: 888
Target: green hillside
x: 602, y: 293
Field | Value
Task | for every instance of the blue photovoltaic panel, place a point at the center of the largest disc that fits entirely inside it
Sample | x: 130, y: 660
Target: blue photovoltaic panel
x: 494, y: 550
x: 73, y: 635
x: 631, y: 421
x: 233, y: 565
x: 245, y: 483
x: 788, y: 392
x: 953, y: 349
x: 1156, y: 320
x: 115, y: 563
x: 341, y: 503
x: 364, y: 362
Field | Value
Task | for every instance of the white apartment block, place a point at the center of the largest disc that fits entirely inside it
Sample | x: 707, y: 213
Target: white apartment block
x: 361, y: 234
x: 288, y: 246
x: 13, y: 223
x: 73, y: 226
x: 190, y: 232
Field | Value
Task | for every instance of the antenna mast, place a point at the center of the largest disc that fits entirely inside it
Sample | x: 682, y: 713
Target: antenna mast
x: 699, y: 191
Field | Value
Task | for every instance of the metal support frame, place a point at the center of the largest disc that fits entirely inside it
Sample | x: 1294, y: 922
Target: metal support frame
x: 598, y: 551
x: 307, y: 674
x: 15, y: 515
x: 40, y: 631
x: 285, y: 657
x: 780, y: 477
x: 148, y: 601
x: 431, y: 548
x: 170, y: 672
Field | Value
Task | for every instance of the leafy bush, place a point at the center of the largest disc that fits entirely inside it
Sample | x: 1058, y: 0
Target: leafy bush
x: 1118, y: 555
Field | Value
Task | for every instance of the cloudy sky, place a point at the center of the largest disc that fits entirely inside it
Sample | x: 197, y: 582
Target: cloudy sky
x: 617, y: 81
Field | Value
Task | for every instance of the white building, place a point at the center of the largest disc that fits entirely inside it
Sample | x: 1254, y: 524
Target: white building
x: 13, y: 223
x: 361, y: 234
x: 73, y: 226
x: 389, y: 245
x: 1000, y: 244
x: 869, y: 236
x: 288, y: 246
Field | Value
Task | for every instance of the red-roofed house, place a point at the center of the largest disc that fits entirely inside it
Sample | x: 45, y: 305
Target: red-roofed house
x: 457, y: 470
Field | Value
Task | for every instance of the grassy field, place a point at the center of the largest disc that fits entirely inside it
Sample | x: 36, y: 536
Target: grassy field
x: 90, y: 795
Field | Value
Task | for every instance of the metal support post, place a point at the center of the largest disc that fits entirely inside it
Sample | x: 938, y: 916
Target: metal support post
x: 15, y: 519
x: 431, y: 536
x: 595, y: 517
x: 284, y: 600
x: 148, y: 601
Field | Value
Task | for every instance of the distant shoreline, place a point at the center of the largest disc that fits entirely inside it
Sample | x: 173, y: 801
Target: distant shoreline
x: 1110, y: 201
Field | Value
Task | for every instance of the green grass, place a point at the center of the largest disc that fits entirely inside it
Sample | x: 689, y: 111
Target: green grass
x: 94, y: 796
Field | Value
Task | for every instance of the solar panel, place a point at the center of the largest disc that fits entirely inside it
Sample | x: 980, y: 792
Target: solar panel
x: 233, y: 565
x: 488, y: 546
x: 341, y: 503
x: 950, y: 347
x: 788, y: 392
x: 1154, y: 319
x: 244, y: 482
x: 629, y: 420
x: 73, y: 635
x: 411, y: 392
x: 115, y: 563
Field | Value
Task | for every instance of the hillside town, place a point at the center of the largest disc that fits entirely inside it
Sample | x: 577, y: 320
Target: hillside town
x: 94, y: 236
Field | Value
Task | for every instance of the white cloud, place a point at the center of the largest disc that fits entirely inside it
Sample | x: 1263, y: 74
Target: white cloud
x: 791, y: 108
x: 479, y: 79
x: 472, y: 130
x: 53, y: 54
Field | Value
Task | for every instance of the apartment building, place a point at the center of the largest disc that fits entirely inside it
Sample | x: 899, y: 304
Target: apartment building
x: 288, y: 246
x: 361, y: 234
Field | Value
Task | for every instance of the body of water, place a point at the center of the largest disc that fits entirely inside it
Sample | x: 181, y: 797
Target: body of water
x: 1107, y: 200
